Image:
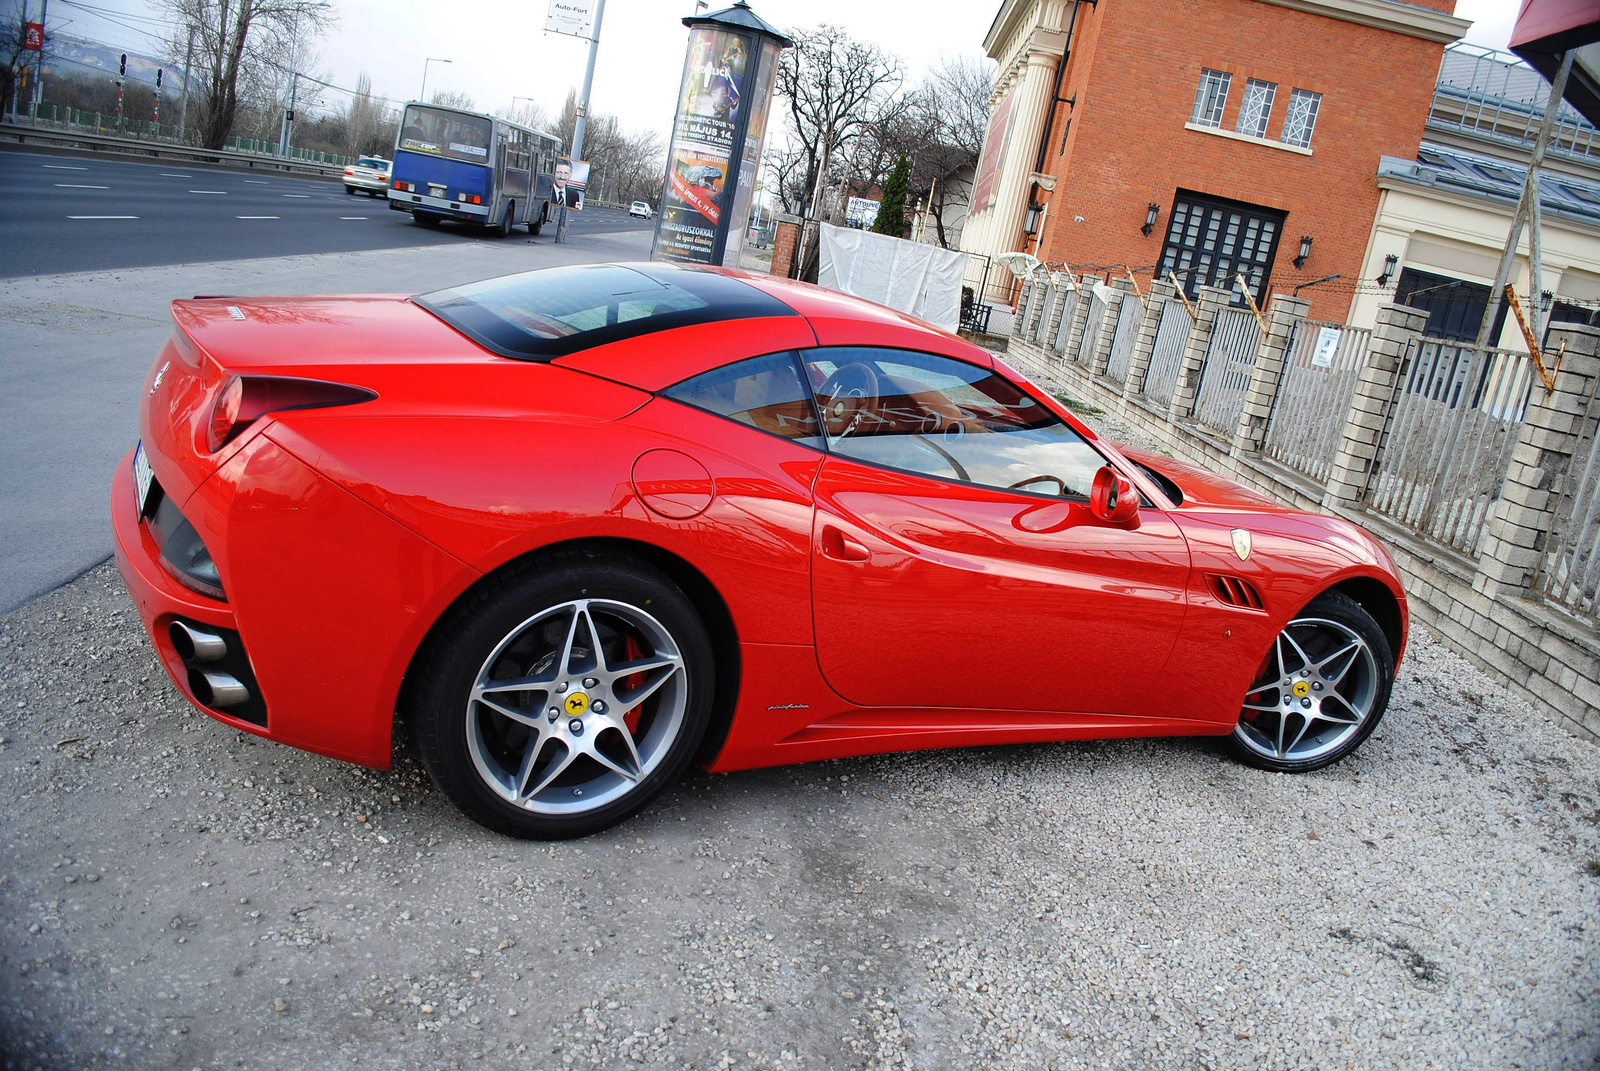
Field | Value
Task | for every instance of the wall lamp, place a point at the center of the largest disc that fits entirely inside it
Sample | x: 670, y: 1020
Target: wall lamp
x: 1151, y: 214
x: 1305, y: 251
x: 1031, y: 224
x: 1390, y: 263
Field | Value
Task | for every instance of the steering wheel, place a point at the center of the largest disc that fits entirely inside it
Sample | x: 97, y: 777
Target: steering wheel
x: 851, y: 391
x: 944, y: 455
x: 1061, y: 486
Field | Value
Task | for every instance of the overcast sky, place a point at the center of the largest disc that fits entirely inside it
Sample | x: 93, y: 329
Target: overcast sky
x: 499, y: 48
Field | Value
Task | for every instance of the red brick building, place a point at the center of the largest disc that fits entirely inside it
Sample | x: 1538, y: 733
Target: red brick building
x: 1206, y: 137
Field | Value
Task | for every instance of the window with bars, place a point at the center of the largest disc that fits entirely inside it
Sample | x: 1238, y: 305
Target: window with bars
x: 1302, y: 118
x: 1256, y: 108
x: 1211, y: 97
x: 1210, y: 242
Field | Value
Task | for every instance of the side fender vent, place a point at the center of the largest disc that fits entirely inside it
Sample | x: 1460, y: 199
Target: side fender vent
x: 1235, y: 591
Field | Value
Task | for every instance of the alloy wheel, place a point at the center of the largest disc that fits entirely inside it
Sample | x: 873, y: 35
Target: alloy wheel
x: 576, y: 706
x: 1317, y: 688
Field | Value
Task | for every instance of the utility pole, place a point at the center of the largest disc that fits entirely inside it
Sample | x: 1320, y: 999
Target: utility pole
x: 122, y: 81
x: 284, y: 131
x: 38, y: 81
x: 583, y: 108
x: 183, y: 112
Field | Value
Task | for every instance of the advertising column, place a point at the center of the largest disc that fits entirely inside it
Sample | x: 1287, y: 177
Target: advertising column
x: 717, y: 137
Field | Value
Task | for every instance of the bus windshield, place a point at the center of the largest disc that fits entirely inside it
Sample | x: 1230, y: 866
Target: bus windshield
x: 440, y: 132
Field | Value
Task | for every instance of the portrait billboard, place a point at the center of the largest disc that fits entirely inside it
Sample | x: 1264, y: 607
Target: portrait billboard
x: 570, y: 183
x: 987, y: 185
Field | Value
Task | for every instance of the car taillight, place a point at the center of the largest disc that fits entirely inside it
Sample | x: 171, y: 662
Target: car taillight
x: 382, y: 178
x: 245, y: 399
x: 349, y: 171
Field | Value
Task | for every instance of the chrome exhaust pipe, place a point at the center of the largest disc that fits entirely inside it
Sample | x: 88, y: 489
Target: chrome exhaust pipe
x: 217, y: 689
x: 196, y: 645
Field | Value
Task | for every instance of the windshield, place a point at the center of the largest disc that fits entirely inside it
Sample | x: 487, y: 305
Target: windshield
x: 556, y: 311
x: 372, y: 161
x: 441, y: 132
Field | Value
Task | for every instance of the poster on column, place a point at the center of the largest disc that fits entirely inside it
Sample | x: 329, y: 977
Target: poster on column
x: 710, y: 106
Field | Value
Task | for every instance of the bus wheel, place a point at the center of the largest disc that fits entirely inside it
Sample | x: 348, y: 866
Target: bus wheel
x: 536, y: 224
x: 427, y: 219
x: 508, y: 220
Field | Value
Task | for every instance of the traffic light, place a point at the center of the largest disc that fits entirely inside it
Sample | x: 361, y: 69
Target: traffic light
x: 122, y: 67
x: 158, y: 77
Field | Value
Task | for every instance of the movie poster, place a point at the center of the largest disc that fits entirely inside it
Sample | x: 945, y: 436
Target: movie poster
x: 759, y: 90
x: 710, y: 106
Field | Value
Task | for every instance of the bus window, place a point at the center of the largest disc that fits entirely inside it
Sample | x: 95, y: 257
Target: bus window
x: 440, y: 132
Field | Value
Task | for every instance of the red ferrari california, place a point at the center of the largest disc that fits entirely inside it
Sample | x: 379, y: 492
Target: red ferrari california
x: 582, y: 526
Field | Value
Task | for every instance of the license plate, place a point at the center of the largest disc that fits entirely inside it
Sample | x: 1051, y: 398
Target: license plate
x: 143, y: 479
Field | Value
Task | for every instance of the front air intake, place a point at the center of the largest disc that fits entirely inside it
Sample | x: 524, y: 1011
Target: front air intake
x: 1235, y: 591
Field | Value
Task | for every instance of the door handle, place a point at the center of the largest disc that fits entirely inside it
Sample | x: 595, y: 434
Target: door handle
x: 835, y: 544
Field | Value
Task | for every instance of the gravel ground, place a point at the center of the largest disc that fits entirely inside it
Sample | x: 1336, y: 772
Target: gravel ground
x: 174, y: 894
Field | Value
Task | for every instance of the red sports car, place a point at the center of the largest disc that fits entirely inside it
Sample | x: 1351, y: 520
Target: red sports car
x: 584, y: 525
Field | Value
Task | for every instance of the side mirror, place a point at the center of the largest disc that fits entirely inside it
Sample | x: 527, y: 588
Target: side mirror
x: 1113, y: 500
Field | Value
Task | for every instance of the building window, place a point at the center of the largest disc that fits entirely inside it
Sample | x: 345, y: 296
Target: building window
x: 1210, y: 242
x: 1302, y: 117
x: 1256, y: 108
x: 1211, y: 98
x: 1455, y: 308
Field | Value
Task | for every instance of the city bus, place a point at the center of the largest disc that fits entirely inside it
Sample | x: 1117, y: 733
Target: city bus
x: 471, y: 167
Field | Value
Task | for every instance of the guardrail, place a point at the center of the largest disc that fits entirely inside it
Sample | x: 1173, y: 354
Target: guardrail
x: 24, y: 133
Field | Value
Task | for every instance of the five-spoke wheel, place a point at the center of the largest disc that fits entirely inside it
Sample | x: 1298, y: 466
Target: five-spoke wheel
x: 1321, y: 689
x: 559, y: 699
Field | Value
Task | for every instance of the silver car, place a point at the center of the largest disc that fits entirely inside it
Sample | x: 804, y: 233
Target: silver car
x: 369, y: 174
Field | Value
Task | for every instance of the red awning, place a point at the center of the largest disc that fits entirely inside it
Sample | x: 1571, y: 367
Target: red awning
x: 1547, y: 28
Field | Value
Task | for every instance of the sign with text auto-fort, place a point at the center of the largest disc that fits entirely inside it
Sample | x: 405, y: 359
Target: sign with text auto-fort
x: 572, y: 17
x: 717, y: 137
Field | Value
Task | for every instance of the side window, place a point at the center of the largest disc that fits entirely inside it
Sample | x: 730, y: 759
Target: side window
x: 763, y: 392
x: 947, y: 419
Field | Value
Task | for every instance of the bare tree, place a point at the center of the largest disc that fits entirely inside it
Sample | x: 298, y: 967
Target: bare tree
x: 450, y: 98
x: 231, y: 38
x: 836, y: 88
x: 364, y: 119
x: 623, y: 166
x: 12, y: 53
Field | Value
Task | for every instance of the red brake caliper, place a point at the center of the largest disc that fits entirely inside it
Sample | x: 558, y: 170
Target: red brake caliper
x: 631, y: 718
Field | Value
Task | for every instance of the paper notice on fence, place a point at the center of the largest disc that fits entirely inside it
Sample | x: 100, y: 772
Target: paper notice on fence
x: 1327, y: 346
x: 921, y: 280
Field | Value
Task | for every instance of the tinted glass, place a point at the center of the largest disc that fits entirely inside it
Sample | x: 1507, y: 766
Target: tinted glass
x: 452, y: 135
x: 763, y: 392
x: 372, y: 161
x: 947, y: 419
x: 556, y: 311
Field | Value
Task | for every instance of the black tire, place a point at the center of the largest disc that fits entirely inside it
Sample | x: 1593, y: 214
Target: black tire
x: 349, y: 191
x: 508, y: 221
x: 536, y: 222
x: 502, y: 626
x: 426, y: 219
x: 1360, y: 689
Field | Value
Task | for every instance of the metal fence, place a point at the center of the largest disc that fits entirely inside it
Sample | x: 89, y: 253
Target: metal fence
x: 1166, y: 359
x: 1225, y: 377
x: 1091, y: 330
x: 1448, y: 444
x: 1047, y: 300
x: 1126, y: 338
x: 56, y: 117
x: 1320, y: 372
x: 1569, y: 570
x: 1069, y: 309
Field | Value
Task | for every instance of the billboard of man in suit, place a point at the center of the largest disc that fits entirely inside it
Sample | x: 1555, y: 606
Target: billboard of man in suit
x: 569, y: 183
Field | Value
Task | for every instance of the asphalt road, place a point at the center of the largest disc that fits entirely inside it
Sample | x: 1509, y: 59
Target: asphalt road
x: 86, y: 212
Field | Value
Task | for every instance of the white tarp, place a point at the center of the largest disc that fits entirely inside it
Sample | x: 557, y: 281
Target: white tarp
x: 922, y: 280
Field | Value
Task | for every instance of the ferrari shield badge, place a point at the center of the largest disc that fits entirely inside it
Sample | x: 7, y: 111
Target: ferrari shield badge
x: 1241, y: 543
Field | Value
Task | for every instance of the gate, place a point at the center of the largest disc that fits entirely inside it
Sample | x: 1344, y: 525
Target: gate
x: 1225, y: 376
x: 1320, y: 373
x: 1126, y: 338
x: 1448, y: 445
x: 1166, y: 359
x: 1569, y: 569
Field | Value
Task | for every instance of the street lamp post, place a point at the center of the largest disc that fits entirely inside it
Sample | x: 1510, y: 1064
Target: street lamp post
x: 423, y: 96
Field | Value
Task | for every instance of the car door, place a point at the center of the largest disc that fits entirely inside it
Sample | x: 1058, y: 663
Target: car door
x: 955, y: 561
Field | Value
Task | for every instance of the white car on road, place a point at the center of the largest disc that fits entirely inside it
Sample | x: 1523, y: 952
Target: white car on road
x: 369, y: 174
x: 639, y: 208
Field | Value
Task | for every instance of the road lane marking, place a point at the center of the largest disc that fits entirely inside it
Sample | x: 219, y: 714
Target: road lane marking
x: 174, y: 174
x: 78, y: 186
x: 258, y: 182
x: 256, y: 217
x: 65, y: 167
x: 354, y: 217
x: 102, y: 217
x: 219, y: 193
x: 297, y: 195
